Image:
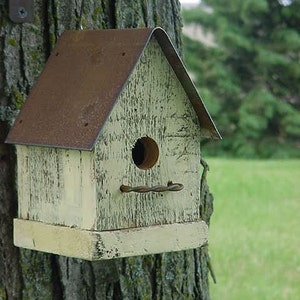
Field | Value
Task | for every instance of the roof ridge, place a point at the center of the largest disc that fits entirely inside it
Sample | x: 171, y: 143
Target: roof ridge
x: 68, y: 91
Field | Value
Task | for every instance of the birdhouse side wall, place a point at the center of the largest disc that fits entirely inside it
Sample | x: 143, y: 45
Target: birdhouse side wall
x: 152, y: 104
x: 56, y: 186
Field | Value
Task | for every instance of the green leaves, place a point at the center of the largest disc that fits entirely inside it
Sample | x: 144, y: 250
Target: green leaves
x: 257, y: 109
x: 250, y: 79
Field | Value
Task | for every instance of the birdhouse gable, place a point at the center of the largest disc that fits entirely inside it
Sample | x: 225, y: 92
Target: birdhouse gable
x: 83, y: 78
x: 151, y: 137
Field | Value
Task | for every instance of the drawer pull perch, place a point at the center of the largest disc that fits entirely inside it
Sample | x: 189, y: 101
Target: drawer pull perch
x: 173, y: 187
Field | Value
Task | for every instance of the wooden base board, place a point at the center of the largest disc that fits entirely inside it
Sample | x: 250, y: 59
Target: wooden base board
x: 96, y: 245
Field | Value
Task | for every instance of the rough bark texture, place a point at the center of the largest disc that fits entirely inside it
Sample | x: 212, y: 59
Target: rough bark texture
x: 26, y: 274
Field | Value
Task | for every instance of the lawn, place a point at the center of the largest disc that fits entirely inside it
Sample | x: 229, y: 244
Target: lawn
x: 255, y: 229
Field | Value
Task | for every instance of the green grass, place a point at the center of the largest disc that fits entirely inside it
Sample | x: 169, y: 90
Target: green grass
x: 255, y: 229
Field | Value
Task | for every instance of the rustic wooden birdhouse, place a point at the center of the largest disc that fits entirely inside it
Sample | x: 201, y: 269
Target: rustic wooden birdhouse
x: 108, y: 149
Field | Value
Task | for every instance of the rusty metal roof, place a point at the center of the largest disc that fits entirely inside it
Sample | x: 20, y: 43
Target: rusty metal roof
x: 81, y: 81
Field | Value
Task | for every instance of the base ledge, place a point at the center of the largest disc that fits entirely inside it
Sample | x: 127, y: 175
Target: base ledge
x: 97, y: 245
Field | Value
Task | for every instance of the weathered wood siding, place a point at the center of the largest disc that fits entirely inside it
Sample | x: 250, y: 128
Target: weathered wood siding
x: 154, y: 104
x: 56, y: 186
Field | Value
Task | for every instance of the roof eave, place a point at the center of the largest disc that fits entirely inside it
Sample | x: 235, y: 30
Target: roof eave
x: 208, y: 127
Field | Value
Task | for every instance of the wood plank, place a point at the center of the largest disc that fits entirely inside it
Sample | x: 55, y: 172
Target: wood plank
x: 57, y: 186
x: 95, y: 245
x: 153, y: 104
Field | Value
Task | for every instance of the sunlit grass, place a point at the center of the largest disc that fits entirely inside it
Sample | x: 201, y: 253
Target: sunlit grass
x: 255, y: 229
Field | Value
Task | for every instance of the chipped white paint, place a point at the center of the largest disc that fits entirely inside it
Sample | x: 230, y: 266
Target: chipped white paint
x: 153, y: 104
x: 56, y: 186
x: 93, y: 245
x: 61, y: 188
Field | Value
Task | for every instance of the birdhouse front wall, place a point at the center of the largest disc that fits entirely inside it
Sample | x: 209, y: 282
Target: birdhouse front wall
x: 56, y: 186
x: 152, y: 104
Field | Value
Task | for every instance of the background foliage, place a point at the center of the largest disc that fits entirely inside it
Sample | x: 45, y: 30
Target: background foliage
x: 249, y: 78
x: 254, y: 231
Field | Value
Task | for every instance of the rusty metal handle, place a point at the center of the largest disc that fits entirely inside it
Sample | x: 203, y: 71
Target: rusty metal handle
x: 173, y: 187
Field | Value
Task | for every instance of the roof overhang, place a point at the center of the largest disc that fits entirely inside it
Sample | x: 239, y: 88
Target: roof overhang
x: 81, y: 81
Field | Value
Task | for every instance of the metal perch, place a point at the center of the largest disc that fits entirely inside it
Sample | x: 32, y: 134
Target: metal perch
x: 173, y: 187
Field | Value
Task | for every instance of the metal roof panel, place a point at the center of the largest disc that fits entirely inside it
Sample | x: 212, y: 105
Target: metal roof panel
x: 81, y: 81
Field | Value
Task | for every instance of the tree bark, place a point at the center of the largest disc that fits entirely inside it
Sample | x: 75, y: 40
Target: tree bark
x: 26, y: 274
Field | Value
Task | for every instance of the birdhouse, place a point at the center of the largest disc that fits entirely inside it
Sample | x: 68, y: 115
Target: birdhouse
x: 108, y: 149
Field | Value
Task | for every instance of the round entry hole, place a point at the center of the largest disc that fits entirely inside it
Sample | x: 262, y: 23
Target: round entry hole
x: 145, y: 153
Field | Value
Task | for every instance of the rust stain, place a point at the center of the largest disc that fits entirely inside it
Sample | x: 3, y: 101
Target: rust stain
x: 81, y: 81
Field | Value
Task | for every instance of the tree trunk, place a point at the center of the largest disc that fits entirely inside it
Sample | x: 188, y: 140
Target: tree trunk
x: 26, y: 274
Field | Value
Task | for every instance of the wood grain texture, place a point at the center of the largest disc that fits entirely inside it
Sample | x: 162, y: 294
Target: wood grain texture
x: 56, y: 186
x: 153, y: 103
x: 9, y: 255
x: 94, y: 245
